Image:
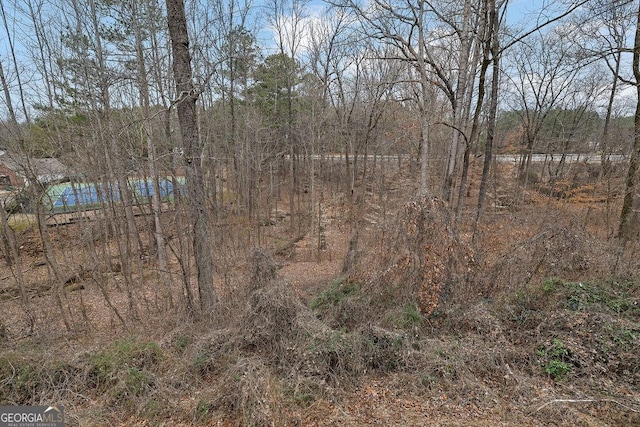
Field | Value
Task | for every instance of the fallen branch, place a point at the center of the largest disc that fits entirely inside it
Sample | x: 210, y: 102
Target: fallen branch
x: 587, y: 401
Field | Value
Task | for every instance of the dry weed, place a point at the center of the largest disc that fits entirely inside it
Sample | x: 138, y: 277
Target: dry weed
x: 264, y: 268
x: 555, y: 251
x: 250, y: 390
x: 269, y: 318
x: 420, y: 261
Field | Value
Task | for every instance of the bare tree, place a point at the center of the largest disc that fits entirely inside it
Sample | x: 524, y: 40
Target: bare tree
x: 326, y: 37
x: 405, y: 27
x: 287, y: 20
x: 544, y: 70
x: 186, y: 106
x: 625, y: 230
x: 616, y: 18
x: 145, y: 102
x: 34, y: 185
x: 496, y: 44
x: 491, y: 57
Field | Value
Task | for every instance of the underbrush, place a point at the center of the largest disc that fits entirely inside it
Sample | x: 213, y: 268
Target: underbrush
x: 617, y: 295
x: 581, y: 330
x: 122, y: 376
x: 281, y: 357
x: 434, y: 321
x: 28, y: 377
x: 480, y: 349
x: 125, y: 371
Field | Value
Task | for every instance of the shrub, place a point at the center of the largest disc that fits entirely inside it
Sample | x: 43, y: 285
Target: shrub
x: 20, y: 379
x: 28, y: 380
x: 337, y: 292
x: 181, y: 342
x: 411, y: 317
x: 610, y: 294
x: 556, y: 359
x: 124, y: 369
x: 557, y: 369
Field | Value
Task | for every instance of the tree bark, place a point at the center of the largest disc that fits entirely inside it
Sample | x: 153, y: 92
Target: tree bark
x: 625, y: 231
x: 186, y: 106
x: 493, y: 110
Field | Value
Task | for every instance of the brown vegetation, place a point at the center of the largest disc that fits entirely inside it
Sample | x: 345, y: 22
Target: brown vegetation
x: 316, y: 229
x: 535, y: 321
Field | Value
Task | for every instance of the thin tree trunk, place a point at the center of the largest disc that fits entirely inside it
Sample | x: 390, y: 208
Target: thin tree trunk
x: 34, y: 187
x: 424, y: 154
x: 13, y: 256
x: 424, y: 107
x: 460, y: 112
x: 156, y: 203
x: 604, y: 147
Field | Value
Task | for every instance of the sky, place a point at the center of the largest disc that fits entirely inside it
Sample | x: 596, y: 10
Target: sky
x: 520, y: 13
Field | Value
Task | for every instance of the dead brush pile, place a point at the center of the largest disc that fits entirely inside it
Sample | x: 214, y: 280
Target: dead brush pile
x: 249, y: 390
x: 556, y: 250
x: 270, y: 319
x: 277, y: 334
x: 279, y: 353
x: 422, y: 260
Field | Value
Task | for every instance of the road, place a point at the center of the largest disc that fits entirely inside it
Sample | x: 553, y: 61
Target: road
x: 569, y: 158
x: 503, y: 158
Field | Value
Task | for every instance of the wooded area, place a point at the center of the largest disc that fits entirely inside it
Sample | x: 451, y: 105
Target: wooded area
x: 295, y: 193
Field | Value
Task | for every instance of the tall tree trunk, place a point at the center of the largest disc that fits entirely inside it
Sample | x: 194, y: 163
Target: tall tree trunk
x: 424, y: 107
x: 186, y: 105
x: 156, y: 203
x: 424, y: 153
x: 625, y: 231
x: 461, y: 108
x: 493, y: 111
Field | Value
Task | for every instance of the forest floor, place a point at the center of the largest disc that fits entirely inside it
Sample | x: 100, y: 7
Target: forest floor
x: 534, y: 321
